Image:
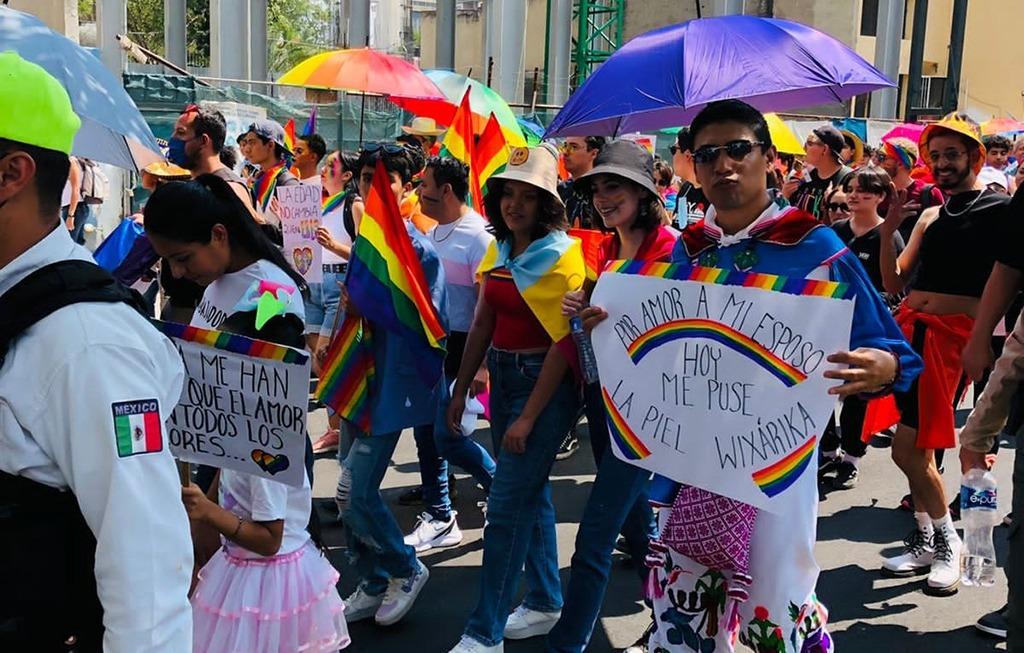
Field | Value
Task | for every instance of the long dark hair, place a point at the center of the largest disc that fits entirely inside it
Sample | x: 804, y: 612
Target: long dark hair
x: 550, y: 214
x: 187, y: 211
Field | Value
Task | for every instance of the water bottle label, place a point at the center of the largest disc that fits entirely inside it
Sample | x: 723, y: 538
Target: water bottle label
x: 971, y: 499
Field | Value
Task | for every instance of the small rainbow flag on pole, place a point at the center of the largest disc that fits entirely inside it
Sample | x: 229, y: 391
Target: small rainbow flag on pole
x: 459, y: 144
x: 386, y: 282
x: 491, y: 155
x: 348, y: 371
x: 289, y: 135
x: 310, y: 127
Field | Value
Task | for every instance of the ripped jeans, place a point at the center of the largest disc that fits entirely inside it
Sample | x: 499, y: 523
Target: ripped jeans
x: 375, y: 542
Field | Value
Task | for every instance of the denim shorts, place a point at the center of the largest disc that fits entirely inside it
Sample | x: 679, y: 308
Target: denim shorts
x: 322, y: 306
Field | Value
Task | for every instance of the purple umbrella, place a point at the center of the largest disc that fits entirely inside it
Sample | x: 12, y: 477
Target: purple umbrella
x: 666, y: 76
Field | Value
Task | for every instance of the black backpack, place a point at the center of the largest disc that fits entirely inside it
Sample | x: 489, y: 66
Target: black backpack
x: 55, y: 286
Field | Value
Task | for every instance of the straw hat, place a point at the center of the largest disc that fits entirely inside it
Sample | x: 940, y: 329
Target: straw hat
x: 537, y: 166
x: 953, y: 123
x: 858, y: 145
x: 423, y: 127
x: 624, y: 159
x: 167, y: 170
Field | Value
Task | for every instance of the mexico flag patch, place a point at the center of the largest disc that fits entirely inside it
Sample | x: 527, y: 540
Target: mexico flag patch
x: 137, y: 427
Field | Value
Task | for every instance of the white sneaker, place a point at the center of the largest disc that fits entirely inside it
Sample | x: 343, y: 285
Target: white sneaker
x: 469, y: 645
x: 433, y: 533
x: 524, y: 623
x: 400, y: 595
x: 944, y: 578
x: 361, y: 605
x: 917, y: 557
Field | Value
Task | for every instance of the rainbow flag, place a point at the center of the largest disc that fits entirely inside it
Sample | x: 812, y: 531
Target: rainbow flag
x: 386, y: 281
x: 310, y: 127
x: 265, y: 186
x: 333, y: 202
x: 592, y: 241
x: 550, y: 267
x: 348, y: 371
x: 289, y: 135
x: 491, y: 155
x: 459, y: 144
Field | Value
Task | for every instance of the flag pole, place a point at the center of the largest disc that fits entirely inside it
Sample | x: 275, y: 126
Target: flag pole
x: 184, y: 472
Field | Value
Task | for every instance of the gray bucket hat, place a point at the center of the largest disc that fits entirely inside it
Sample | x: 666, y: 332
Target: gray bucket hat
x: 537, y: 166
x: 625, y: 159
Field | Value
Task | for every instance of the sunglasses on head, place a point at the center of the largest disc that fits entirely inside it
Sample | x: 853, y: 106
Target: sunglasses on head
x: 736, y: 150
x: 386, y: 148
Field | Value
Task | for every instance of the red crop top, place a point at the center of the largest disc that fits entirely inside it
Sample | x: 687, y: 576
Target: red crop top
x: 515, y: 326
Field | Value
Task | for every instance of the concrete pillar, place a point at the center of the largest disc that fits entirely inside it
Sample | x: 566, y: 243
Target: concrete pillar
x: 444, y: 49
x: 510, y: 19
x: 258, y: 41
x: 951, y: 101
x: 728, y: 7
x: 229, y: 38
x: 887, y: 56
x: 174, y: 31
x: 359, y: 23
x: 111, y: 20
x: 559, y: 52
x: 59, y: 15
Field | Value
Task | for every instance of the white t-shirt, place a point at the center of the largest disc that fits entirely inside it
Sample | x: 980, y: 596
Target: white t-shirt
x: 221, y: 298
x: 258, y: 499
x: 334, y: 221
x: 461, y: 245
x: 313, y: 181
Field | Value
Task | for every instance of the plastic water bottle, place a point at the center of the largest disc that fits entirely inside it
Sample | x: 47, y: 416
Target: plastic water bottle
x: 979, y: 515
x: 588, y: 362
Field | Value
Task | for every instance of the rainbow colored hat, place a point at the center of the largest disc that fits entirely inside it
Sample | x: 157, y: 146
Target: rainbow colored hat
x: 956, y: 123
x: 35, y: 110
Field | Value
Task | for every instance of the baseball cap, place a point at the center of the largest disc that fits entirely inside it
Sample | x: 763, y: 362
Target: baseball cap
x: 832, y: 138
x: 270, y: 130
x: 35, y: 110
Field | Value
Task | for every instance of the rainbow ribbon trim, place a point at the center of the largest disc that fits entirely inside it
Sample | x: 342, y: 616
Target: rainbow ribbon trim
x: 627, y: 441
x: 233, y: 343
x: 718, y: 276
x: 774, y: 479
x: 722, y: 334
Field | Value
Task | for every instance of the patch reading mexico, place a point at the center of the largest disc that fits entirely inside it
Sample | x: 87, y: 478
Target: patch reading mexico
x: 137, y: 427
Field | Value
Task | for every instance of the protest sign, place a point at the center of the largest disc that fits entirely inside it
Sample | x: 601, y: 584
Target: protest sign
x: 243, y: 404
x: 300, y: 218
x: 715, y: 378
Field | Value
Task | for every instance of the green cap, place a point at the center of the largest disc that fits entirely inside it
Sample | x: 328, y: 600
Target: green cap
x: 35, y: 110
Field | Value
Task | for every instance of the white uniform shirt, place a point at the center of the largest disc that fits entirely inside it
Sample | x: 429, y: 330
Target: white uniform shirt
x: 58, y: 389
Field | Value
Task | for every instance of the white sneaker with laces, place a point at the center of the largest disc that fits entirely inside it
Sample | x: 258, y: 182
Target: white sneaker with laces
x: 469, y: 645
x: 400, y: 595
x: 524, y: 623
x: 433, y: 533
x: 944, y: 577
x: 361, y: 605
x: 917, y: 557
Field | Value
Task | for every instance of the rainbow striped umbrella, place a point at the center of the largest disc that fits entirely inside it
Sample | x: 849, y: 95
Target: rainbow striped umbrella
x: 483, y: 101
x: 1001, y: 126
x: 361, y: 70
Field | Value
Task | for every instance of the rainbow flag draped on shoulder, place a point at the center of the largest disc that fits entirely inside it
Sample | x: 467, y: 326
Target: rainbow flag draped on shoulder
x: 550, y: 267
x: 387, y: 286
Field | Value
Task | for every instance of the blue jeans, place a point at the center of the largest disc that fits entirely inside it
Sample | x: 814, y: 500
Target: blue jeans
x: 84, y: 215
x: 612, y: 507
x: 375, y: 542
x: 436, y: 446
x: 520, y: 516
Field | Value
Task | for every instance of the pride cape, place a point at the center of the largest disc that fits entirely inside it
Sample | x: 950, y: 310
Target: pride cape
x: 550, y: 267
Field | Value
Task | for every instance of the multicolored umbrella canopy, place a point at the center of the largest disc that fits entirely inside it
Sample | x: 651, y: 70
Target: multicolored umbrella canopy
x: 909, y: 130
x: 666, y: 76
x: 783, y: 138
x: 483, y: 101
x: 362, y: 70
x: 1001, y: 126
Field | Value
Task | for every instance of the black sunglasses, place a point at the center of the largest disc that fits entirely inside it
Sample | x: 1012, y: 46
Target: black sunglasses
x: 737, y: 151
x: 832, y: 206
x: 387, y: 148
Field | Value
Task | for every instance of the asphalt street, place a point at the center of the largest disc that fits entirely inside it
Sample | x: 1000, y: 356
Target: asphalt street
x: 856, y: 529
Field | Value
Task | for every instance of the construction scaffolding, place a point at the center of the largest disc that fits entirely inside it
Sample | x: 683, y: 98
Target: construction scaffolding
x: 599, y: 27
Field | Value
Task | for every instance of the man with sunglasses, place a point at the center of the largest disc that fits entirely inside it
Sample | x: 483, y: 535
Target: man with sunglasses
x: 950, y: 256
x: 752, y: 229
x: 824, y: 147
x: 578, y: 154
x: 690, y: 201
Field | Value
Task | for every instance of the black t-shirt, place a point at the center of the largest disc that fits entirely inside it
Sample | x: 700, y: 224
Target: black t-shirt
x: 959, y: 247
x: 579, y: 209
x: 868, y: 249
x: 810, y: 195
x: 1010, y: 248
x: 691, y: 205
